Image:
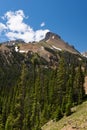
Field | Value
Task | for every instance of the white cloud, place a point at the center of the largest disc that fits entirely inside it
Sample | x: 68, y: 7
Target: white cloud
x: 15, y: 21
x: 40, y: 34
x: 2, y: 27
x: 16, y: 28
x: 42, y: 24
x: 27, y: 36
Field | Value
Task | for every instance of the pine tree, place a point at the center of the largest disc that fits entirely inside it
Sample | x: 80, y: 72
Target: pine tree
x: 58, y: 113
x: 9, y: 122
x: 69, y: 93
x: 61, y: 81
x: 35, y: 116
x: 68, y: 109
x: 78, y: 85
x: 1, y: 123
x: 18, y: 111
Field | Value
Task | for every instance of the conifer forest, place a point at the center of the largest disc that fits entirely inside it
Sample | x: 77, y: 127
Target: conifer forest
x: 34, y: 91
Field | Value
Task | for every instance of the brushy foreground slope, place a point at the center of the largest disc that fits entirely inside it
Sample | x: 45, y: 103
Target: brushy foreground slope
x: 77, y: 121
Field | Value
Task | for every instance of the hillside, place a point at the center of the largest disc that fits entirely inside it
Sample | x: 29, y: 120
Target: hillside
x: 77, y: 121
x: 39, y: 82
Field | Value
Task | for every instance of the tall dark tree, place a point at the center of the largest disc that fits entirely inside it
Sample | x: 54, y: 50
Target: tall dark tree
x: 18, y: 111
x: 61, y: 80
x: 78, y: 85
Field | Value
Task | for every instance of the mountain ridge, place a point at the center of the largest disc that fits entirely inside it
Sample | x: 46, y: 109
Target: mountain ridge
x: 50, y: 39
x: 51, y: 43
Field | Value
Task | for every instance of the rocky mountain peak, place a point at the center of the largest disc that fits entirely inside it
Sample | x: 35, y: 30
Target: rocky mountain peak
x: 50, y: 35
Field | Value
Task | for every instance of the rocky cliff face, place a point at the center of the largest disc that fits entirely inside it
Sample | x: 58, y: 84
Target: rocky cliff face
x: 51, y: 35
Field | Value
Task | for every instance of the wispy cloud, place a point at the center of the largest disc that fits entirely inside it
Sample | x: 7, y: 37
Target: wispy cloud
x: 42, y: 24
x: 2, y: 27
x: 16, y: 28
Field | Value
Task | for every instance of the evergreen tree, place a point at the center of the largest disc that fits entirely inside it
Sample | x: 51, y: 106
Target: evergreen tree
x: 61, y: 81
x: 18, y: 111
x: 9, y: 122
x: 68, y: 109
x: 1, y: 123
x: 58, y: 113
x: 78, y: 85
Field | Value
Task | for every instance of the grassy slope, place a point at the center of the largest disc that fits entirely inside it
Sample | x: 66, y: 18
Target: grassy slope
x: 76, y: 121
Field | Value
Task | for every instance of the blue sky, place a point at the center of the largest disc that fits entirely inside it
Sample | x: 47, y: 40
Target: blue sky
x: 68, y: 18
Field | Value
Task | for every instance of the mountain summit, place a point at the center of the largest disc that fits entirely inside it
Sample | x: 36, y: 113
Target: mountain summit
x: 51, y: 41
x: 56, y: 42
x: 50, y: 35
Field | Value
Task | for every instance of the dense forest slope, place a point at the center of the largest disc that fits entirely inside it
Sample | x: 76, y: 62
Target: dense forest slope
x: 39, y: 82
